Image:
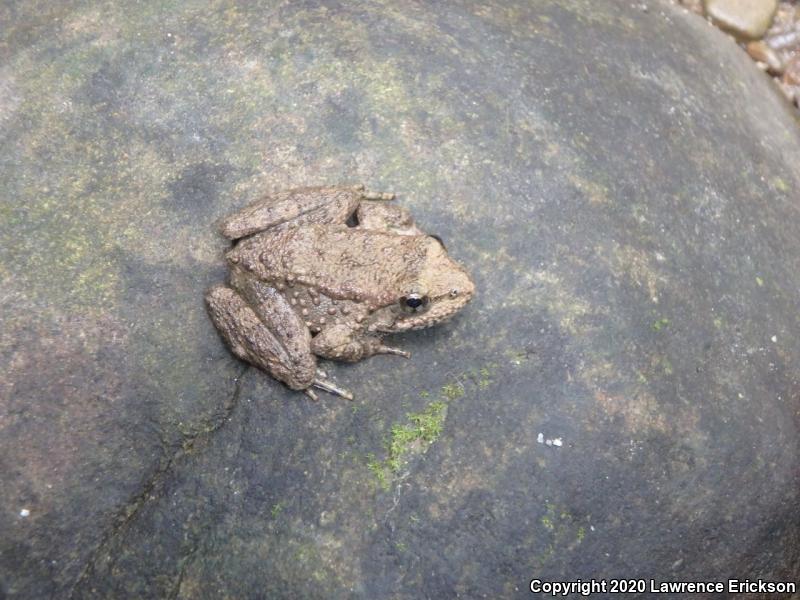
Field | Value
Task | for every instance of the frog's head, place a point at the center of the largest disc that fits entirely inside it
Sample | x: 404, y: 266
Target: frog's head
x: 438, y: 290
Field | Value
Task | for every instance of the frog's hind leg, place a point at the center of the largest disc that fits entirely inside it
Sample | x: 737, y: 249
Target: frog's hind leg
x: 299, y: 206
x: 266, y: 333
x: 379, y: 216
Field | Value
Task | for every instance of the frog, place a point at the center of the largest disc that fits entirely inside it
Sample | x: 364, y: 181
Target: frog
x: 325, y: 273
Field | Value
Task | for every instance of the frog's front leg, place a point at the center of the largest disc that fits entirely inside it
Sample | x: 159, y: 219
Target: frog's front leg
x: 299, y: 206
x: 260, y: 327
x: 339, y: 342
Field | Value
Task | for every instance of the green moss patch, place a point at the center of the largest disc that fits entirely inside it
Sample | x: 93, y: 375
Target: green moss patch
x: 660, y: 324
x: 420, y: 431
x: 416, y: 434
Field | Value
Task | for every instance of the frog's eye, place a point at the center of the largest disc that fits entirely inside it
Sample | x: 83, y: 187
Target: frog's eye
x: 414, y: 303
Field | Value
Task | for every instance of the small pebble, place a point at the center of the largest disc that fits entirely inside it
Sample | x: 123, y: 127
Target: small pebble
x: 745, y: 19
x: 24, y: 513
x: 791, y: 74
x: 783, y: 41
x: 762, y: 53
x: 792, y: 92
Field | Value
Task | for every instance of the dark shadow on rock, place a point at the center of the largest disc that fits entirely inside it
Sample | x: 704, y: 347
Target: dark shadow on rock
x: 196, y: 187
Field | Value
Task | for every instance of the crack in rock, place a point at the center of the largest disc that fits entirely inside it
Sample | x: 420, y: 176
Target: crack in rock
x: 151, y: 491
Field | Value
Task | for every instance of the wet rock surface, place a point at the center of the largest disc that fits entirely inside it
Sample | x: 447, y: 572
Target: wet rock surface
x: 628, y: 211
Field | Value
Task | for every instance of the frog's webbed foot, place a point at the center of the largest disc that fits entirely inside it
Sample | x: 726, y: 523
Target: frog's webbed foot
x: 301, y: 206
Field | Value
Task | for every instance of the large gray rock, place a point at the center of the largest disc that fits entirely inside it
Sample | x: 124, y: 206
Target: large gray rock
x: 623, y: 186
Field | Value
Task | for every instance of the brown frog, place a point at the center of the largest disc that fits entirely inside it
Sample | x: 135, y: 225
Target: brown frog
x: 326, y: 271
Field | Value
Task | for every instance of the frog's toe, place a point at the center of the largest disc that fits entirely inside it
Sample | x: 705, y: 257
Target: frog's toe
x: 392, y: 350
x: 368, y: 195
x: 326, y: 385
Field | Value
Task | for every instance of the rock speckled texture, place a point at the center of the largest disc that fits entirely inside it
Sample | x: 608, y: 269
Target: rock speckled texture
x: 627, y: 206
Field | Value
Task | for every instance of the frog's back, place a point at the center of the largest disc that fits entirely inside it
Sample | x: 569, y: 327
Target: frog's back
x: 346, y: 262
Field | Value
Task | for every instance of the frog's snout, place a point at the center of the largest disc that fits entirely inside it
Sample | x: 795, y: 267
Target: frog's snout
x: 458, y: 292
x: 463, y: 290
